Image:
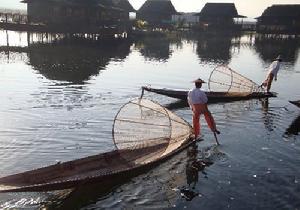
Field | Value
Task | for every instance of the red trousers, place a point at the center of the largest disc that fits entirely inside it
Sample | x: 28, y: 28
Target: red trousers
x: 199, y: 109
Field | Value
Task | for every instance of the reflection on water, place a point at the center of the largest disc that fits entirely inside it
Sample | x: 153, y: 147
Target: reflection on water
x: 157, y: 48
x: 269, y: 47
x: 217, y: 48
x: 72, y: 62
x: 268, y: 117
x: 213, y: 49
x: 195, y: 164
x: 59, y: 99
x: 160, y: 187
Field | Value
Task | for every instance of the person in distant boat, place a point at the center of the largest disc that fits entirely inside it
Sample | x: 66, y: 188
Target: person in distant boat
x: 197, y: 100
x: 272, y: 73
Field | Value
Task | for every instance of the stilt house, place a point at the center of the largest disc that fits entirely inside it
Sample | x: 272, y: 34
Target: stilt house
x: 280, y: 19
x: 78, y: 13
x: 218, y: 16
x: 157, y: 12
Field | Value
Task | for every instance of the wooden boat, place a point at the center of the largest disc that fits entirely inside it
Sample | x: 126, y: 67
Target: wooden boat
x: 297, y: 103
x: 212, y: 96
x: 102, y: 168
x: 140, y: 141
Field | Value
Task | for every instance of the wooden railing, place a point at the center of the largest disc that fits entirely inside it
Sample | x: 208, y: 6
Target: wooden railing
x: 13, y: 18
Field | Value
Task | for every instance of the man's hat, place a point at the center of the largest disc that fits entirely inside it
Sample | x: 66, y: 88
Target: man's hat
x: 278, y: 58
x: 199, y: 81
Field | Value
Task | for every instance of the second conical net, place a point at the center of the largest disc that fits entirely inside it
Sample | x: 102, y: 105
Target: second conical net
x: 224, y: 79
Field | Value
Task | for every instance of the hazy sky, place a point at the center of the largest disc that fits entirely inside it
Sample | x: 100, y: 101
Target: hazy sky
x: 250, y: 8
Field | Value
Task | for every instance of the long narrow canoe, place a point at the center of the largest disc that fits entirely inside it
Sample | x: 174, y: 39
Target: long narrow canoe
x: 212, y: 96
x: 103, y: 168
x: 297, y: 103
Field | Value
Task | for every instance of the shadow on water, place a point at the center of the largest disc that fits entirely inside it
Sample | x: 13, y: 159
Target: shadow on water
x: 84, y: 195
x: 173, y: 180
x: 179, y: 104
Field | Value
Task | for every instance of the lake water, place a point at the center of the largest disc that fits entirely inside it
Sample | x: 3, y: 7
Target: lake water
x: 59, y: 100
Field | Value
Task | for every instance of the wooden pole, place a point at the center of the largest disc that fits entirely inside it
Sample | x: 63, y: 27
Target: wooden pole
x: 28, y: 39
x: 7, y: 43
x: 215, y: 134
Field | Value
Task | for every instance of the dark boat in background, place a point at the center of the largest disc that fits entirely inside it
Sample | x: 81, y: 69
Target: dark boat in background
x: 224, y: 85
x: 297, y: 103
x: 213, y: 97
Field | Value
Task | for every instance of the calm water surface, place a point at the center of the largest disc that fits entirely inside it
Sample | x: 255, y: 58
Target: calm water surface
x: 59, y: 99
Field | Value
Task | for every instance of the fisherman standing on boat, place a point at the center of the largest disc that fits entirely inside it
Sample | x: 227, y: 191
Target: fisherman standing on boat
x: 272, y: 73
x: 197, y: 100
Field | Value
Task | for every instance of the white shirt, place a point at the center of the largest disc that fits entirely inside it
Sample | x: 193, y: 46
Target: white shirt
x: 196, y: 96
x: 274, y: 68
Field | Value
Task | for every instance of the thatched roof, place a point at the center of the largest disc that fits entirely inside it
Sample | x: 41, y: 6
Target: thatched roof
x: 115, y: 4
x: 158, y: 6
x: 282, y: 10
x: 219, y: 10
x: 83, y: 2
x: 124, y: 4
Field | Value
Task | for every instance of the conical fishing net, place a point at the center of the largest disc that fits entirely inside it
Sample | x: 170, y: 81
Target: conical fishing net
x: 148, y: 128
x: 143, y: 132
x: 224, y: 79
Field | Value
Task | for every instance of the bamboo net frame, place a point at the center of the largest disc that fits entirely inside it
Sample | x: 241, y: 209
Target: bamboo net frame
x: 225, y: 79
x: 142, y: 124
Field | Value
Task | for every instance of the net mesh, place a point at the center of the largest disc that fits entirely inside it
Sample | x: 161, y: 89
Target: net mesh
x: 224, y: 79
x: 143, y: 125
x: 143, y: 132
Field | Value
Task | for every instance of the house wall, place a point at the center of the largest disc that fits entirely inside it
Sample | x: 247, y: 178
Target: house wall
x: 218, y: 21
x: 187, y: 18
x: 288, y: 21
x: 279, y: 24
x: 155, y: 18
x: 38, y: 13
x: 59, y: 14
x: 218, y: 24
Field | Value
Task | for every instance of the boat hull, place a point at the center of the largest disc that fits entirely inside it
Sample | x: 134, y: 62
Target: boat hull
x: 296, y: 103
x: 213, y: 97
x: 103, y: 168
